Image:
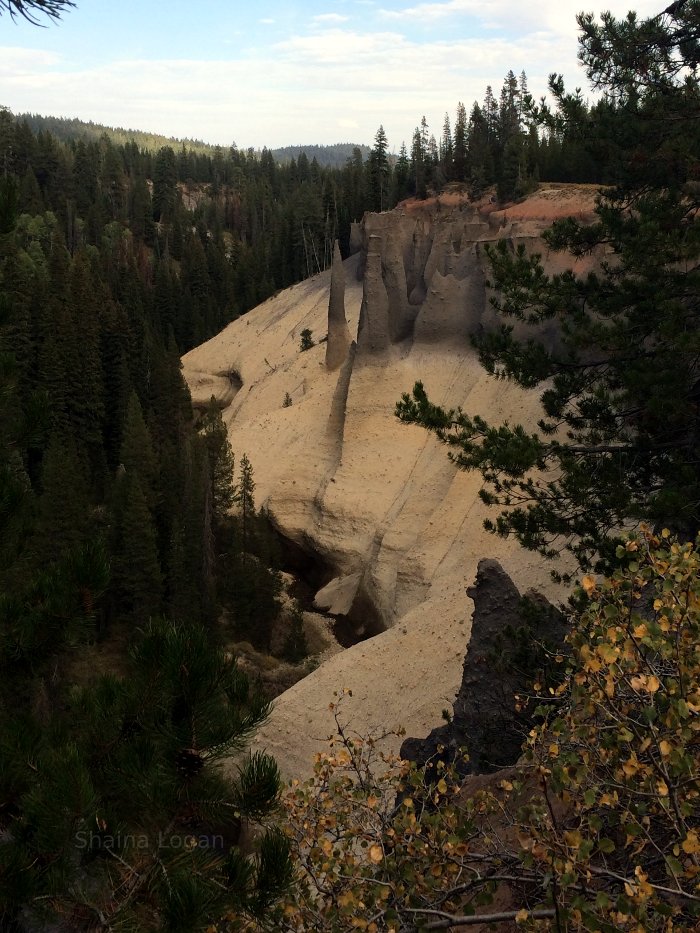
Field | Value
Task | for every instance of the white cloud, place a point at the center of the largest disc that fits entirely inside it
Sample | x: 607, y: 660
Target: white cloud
x: 329, y: 84
x: 268, y: 21
x: 327, y: 18
x: 318, y: 88
x: 546, y: 15
x: 15, y: 60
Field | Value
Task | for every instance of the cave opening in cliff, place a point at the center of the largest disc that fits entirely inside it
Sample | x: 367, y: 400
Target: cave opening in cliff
x: 311, y: 572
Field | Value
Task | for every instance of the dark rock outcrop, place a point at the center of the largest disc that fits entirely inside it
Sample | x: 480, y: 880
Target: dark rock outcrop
x: 510, y: 640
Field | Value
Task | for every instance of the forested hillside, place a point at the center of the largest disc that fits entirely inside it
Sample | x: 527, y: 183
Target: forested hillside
x: 117, y: 514
x: 235, y: 226
x: 68, y: 130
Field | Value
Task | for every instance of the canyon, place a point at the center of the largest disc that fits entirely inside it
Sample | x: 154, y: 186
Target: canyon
x: 386, y: 530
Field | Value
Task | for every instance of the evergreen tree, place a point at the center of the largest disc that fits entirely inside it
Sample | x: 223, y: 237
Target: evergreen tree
x: 137, y: 455
x: 490, y: 115
x: 509, y: 110
x: 460, y: 144
x: 220, y: 462
x: 523, y: 98
x: 191, y: 564
x: 378, y: 172
x: 619, y: 439
x: 64, y: 510
x: 306, y: 340
x: 133, y: 802
x: 446, y: 150
x: 136, y: 570
x: 401, y: 176
x: 246, y: 502
x: 419, y: 157
x: 296, y: 647
x: 96, y: 441
x: 87, y: 388
x: 113, y: 181
x: 164, y: 184
x: 480, y: 152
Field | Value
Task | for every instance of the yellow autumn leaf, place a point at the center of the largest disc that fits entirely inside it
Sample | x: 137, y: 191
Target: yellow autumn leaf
x: 608, y: 653
x: 522, y: 916
x: 691, y: 843
x: 588, y: 584
x: 662, y: 789
x: 631, y: 766
x: 573, y: 838
x: 442, y: 786
x: 653, y: 684
x: 665, y: 748
x: 640, y: 631
x: 376, y: 854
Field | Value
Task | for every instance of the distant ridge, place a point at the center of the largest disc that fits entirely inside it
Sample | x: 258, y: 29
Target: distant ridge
x: 334, y: 156
x: 70, y: 128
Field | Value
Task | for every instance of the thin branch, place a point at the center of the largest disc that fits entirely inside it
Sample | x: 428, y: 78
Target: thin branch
x: 30, y: 9
x: 505, y: 917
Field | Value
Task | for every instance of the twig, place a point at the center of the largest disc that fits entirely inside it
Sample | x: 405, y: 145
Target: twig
x: 452, y: 921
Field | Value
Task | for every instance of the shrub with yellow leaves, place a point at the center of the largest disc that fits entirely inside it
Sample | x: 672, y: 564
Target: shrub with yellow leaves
x: 598, y: 829
x: 622, y: 753
x: 380, y: 848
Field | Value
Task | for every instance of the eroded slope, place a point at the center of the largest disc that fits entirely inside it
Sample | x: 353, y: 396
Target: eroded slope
x: 376, y: 502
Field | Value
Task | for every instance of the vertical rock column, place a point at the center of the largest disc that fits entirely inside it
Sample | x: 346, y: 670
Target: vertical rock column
x: 373, y: 329
x: 339, y: 339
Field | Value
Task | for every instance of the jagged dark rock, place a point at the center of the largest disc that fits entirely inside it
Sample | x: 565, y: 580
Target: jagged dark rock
x: 510, y: 640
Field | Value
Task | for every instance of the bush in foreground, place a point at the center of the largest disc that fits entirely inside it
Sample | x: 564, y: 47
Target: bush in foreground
x: 598, y: 829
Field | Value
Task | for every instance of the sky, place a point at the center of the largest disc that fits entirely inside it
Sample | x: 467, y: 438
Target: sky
x: 285, y: 73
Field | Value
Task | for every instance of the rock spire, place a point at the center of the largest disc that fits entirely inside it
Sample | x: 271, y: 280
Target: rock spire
x: 339, y: 339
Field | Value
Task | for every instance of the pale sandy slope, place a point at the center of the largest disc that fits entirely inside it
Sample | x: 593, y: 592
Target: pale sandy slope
x: 378, y: 500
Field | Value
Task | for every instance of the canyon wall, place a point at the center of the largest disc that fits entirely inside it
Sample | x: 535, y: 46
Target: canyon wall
x: 393, y: 531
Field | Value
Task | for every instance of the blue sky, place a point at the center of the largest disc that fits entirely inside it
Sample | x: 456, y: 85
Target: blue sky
x: 276, y: 73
